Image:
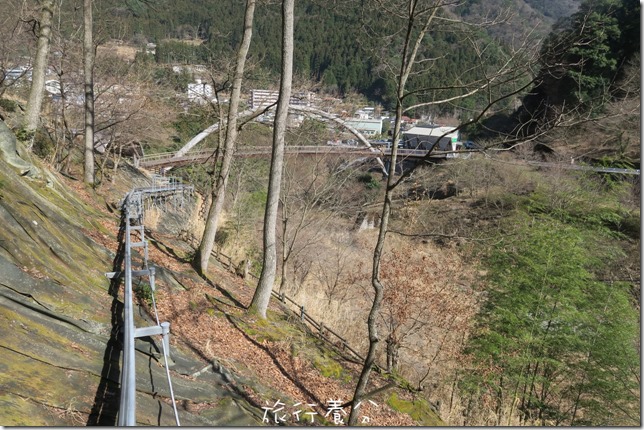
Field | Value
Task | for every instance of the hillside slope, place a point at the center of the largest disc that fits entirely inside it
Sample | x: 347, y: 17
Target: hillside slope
x: 60, y: 355
x: 61, y: 337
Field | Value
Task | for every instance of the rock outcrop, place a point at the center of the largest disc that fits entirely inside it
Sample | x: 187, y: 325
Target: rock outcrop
x: 60, y: 322
x: 9, y: 152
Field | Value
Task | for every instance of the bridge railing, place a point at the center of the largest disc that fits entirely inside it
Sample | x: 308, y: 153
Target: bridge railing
x: 170, y: 158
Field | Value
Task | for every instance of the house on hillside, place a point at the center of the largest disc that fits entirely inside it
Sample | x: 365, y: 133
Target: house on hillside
x: 260, y: 99
x: 366, y: 113
x: 425, y: 136
x: 366, y: 121
x: 17, y: 73
x: 53, y: 87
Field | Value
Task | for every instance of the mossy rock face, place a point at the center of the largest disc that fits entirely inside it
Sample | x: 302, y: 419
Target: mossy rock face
x: 9, y: 152
x: 418, y: 409
x: 39, y: 235
x: 35, y: 414
x: 60, y: 361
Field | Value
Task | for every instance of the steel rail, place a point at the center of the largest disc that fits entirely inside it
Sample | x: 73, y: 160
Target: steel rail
x: 133, y: 209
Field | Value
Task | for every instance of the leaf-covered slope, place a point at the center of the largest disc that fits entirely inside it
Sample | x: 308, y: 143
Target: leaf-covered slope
x: 61, y: 339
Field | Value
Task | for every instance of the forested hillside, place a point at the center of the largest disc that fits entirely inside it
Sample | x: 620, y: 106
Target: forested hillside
x: 491, y: 281
x: 335, y: 44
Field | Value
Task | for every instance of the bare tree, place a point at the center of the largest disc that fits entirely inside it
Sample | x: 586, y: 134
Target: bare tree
x: 310, y: 200
x: 37, y: 92
x: 336, y: 271
x: 88, y: 64
x: 219, y: 191
x: 425, y: 312
x: 67, y: 122
x: 13, y: 41
x: 418, y: 18
x: 125, y: 113
x: 262, y: 295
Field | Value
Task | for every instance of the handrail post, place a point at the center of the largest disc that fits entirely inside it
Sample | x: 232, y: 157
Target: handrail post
x: 128, y: 378
x: 165, y: 332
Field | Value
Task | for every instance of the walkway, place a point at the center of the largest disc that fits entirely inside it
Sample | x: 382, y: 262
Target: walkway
x: 132, y: 236
x: 166, y: 159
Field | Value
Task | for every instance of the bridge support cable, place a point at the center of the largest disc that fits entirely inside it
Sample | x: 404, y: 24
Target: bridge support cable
x: 133, y: 208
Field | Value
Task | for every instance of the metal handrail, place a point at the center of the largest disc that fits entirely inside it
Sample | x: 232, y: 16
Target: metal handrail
x: 133, y: 209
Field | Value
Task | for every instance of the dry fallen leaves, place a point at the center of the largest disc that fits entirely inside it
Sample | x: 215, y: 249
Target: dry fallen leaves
x: 271, y: 362
x: 217, y: 337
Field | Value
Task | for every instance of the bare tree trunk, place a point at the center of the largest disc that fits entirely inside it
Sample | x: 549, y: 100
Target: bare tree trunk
x: 219, y: 190
x: 393, y: 352
x: 117, y: 160
x: 378, y: 288
x: 37, y: 91
x: 88, y: 56
x: 262, y: 295
x: 409, y: 52
x: 285, y: 247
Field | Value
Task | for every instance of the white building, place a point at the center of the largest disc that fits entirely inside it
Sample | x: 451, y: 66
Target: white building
x: 200, y: 92
x: 18, y: 72
x: 53, y: 87
x: 366, y: 113
x: 368, y: 127
x: 260, y: 99
x: 425, y: 136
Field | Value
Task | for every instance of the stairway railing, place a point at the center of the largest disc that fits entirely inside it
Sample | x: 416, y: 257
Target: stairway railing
x: 133, y: 208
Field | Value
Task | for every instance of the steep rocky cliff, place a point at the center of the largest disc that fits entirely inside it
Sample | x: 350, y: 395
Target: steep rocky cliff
x: 60, y: 321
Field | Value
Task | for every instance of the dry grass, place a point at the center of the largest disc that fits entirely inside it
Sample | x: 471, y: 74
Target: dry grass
x: 151, y: 217
x: 124, y: 52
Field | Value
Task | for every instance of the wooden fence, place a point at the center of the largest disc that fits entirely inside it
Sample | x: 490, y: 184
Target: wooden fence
x: 324, y: 332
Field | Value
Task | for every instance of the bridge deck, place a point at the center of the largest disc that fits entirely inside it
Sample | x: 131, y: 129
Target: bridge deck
x: 202, y: 155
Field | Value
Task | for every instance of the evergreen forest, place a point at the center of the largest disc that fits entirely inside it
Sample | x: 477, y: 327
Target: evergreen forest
x: 339, y: 48
x: 505, y: 289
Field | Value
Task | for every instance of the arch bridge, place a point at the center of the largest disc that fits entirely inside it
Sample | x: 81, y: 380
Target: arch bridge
x: 178, y: 158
